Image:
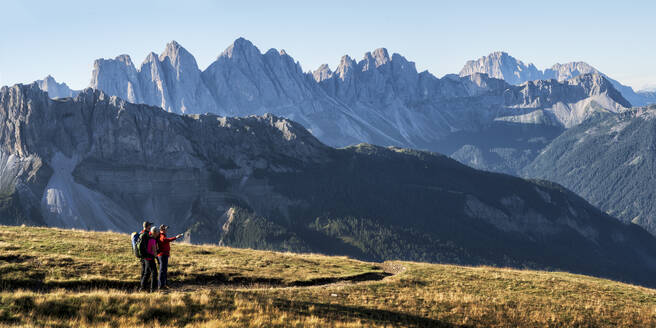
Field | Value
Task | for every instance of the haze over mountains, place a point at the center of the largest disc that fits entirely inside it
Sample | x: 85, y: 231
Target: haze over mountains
x: 99, y: 162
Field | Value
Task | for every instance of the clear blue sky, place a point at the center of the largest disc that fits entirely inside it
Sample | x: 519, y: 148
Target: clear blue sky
x: 63, y: 38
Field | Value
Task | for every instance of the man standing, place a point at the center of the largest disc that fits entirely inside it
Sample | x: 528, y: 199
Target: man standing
x: 144, y: 234
x: 164, y: 245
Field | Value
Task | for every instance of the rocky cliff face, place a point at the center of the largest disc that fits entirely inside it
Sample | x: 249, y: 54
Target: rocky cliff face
x: 98, y: 162
x: 381, y: 99
x: 503, y: 66
x: 171, y: 80
x: 83, y: 154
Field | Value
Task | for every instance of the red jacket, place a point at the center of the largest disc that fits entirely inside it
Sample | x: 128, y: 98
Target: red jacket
x: 164, y: 244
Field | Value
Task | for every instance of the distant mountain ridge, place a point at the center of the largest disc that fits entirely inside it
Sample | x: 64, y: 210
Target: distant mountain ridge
x: 501, y: 65
x: 380, y: 99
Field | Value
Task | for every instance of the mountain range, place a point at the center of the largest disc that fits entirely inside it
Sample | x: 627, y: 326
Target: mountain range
x: 380, y: 99
x: 498, y: 114
x: 98, y: 162
x: 501, y: 65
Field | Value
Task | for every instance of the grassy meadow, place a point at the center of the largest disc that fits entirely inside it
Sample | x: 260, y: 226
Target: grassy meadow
x: 62, y: 278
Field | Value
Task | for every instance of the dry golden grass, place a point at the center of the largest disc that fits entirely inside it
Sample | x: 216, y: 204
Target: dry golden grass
x: 68, y: 258
x: 420, y: 294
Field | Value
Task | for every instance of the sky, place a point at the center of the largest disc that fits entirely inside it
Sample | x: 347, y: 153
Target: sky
x: 63, y: 38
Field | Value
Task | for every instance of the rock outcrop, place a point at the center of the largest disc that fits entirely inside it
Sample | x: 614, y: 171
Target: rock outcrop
x: 98, y: 162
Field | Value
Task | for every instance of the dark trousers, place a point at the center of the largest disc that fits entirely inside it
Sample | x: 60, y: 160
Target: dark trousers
x: 149, y: 272
x: 163, y: 270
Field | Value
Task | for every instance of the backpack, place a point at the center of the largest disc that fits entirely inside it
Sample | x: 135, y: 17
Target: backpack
x: 141, y: 245
x: 134, y: 237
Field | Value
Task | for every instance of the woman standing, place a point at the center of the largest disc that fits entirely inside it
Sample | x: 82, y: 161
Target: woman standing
x: 163, y: 255
x: 149, y: 261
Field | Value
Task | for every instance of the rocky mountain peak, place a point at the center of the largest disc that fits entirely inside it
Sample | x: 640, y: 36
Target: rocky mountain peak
x: 55, y: 89
x: 177, y: 54
x: 345, y: 67
x: 173, y: 47
x: 501, y: 65
x: 566, y: 71
x: 151, y: 58
x: 376, y: 59
x: 180, y: 60
x: 500, y: 55
x: 125, y: 59
x: 381, y: 56
x: 240, y: 48
x: 278, y: 54
x: 322, y: 73
x: 595, y: 83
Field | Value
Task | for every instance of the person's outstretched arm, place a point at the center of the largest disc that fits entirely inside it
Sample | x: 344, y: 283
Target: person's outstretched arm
x: 172, y: 238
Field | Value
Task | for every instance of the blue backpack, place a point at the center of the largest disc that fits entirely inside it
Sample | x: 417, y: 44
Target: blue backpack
x: 134, y: 237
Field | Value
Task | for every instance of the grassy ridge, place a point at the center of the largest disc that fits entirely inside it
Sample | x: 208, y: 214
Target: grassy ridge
x: 54, y: 277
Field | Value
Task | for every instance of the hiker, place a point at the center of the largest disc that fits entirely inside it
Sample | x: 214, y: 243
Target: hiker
x: 150, y: 268
x: 144, y: 233
x: 164, y: 246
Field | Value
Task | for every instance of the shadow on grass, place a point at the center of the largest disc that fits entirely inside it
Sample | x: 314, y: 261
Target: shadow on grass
x: 346, y: 312
x: 15, y: 258
x: 37, y: 283
x: 236, y: 279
